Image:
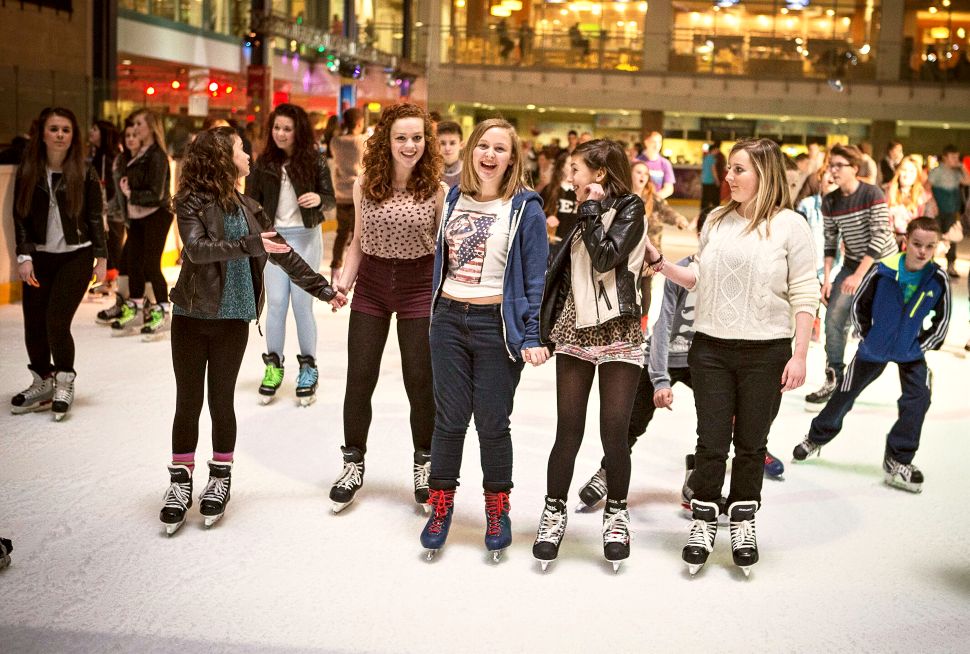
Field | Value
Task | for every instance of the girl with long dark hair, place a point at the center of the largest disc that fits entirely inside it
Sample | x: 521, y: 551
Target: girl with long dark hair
x: 559, y: 203
x: 59, y: 233
x: 390, y: 264
x: 591, y: 312
x: 292, y: 182
x: 227, y: 240
x: 146, y: 187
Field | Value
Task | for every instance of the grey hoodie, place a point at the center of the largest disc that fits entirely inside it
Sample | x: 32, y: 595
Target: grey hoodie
x: 672, y: 333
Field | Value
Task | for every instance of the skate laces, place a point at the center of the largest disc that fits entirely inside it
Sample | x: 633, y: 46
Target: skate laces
x: 552, y: 524
x: 39, y: 387
x: 216, y: 489
x: 156, y: 317
x: 904, y: 470
x: 422, y: 471
x: 128, y: 313
x: 273, y: 376
x: 702, y: 534
x: 742, y: 534
x: 306, y: 378
x: 495, y: 504
x: 598, y: 482
x: 441, y: 502
x: 616, y: 527
x: 64, y: 391
x: 178, y: 495
x: 352, y: 475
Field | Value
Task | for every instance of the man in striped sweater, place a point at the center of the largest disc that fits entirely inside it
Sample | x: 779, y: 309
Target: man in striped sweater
x: 856, y: 214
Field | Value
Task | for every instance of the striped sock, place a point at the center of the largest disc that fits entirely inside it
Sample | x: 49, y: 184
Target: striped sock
x: 187, y: 460
x: 222, y: 457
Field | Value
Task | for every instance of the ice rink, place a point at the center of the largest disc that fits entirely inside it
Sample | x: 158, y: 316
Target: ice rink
x: 847, y: 564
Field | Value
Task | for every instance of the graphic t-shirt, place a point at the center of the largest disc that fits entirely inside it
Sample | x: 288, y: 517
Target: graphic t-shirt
x: 477, y: 234
x: 661, y: 171
x: 908, y: 280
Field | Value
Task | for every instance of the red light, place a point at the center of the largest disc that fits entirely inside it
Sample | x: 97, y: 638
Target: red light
x: 250, y: 118
x: 213, y: 86
x: 228, y: 89
x: 176, y: 84
x: 150, y: 90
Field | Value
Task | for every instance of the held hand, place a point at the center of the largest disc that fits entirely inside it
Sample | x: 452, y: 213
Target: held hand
x: 26, y: 271
x: 309, y: 200
x: 100, y: 269
x: 826, y: 291
x: 552, y: 221
x: 271, y: 246
x: 794, y: 374
x: 652, y: 253
x: 125, y: 188
x: 851, y: 283
x: 682, y: 222
x: 595, y: 192
x: 535, y: 355
x: 337, y: 301
x: 663, y: 398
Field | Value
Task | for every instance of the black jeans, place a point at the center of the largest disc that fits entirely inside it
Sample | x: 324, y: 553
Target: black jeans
x: 198, y: 345
x: 643, y: 406
x: 737, y: 392
x: 49, y: 309
x: 146, y: 243
x: 366, y: 338
x: 473, y: 376
x: 345, y: 231
x: 903, y: 439
x: 117, y: 233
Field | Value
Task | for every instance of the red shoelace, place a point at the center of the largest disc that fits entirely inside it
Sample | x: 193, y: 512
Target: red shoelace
x: 441, y: 501
x: 494, y: 504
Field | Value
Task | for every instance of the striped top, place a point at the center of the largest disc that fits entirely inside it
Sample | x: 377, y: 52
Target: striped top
x: 861, y: 219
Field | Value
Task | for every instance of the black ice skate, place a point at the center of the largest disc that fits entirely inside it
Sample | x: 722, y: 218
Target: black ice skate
x: 37, y: 397
x: 178, y: 498
x: 903, y: 475
x: 593, y: 491
x: 63, y: 394
x: 6, y: 547
x: 806, y: 449
x: 703, y: 531
x: 744, y: 543
x: 272, y: 377
x: 306, y: 380
x: 107, y: 316
x: 421, y: 472
x: 552, y: 528
x: 351, y: 478
x: 215, y: 497
x: 815, y: 402
x: 616, y: 533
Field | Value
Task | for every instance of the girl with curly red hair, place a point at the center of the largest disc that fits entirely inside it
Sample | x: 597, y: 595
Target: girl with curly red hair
x: 389, y: 264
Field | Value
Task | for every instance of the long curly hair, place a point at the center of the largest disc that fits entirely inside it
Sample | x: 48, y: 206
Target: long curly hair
x: 33, y: 167
x: 425, y: 180
x: 305, y: 159
x: 208, y: 171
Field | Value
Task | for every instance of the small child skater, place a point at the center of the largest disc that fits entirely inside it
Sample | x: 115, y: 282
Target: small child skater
x: 890, y: 310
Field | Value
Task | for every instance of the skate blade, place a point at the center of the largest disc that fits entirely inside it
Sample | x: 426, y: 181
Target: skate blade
x: 746, y: 569
x: 152, y: 338
x: 59, y: 416
x: 43, y: 406
x: 497, y: 555
x: 616, y: 566
x: 212, y: 519
x: 265, y: 399
x: 694, y: 568
x: 775, y: 477
x: 583, y: 507
x: 427, y: 509
x: 307, y: 401
x: 544, y: 564
x: 814, y: 408
x: 430, y: 555
x: 173, y: 527
x: 122, y: 333
x: 892, y: 482
x: 337, y: 507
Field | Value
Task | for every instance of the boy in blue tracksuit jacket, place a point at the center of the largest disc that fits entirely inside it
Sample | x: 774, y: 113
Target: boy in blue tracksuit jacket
x: 902, y: 309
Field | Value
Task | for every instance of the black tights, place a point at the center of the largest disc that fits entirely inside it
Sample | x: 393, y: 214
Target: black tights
x: 198, y: 345
x: 618, y: 386
x: 365, y: 347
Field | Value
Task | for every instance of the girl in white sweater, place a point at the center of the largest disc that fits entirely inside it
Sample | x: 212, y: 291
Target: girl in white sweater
x: 756, y: 286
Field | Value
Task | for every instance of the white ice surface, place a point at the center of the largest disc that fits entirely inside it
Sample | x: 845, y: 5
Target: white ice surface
x: 847, y: 564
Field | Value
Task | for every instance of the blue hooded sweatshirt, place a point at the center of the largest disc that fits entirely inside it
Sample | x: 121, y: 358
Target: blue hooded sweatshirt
x: 525, y: 269
x: 892, y: 329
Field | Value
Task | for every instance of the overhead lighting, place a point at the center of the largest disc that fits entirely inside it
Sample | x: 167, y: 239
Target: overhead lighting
x: 530, y: 107
x: 514, y: 5
x: 501, y: 11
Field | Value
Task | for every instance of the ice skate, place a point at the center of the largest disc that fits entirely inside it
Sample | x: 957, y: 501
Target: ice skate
x: 306, y: 380
x: 593, y: 491
x: 344, y: 490
x: 552, y: 528
x: 498, y: 526
x: 215, y: 497
x: 422, y: 471
x: 129, y: 322
x: 37, y: 397
x: 616, y: 533
x: 109, y: 315
x: 178, y: 498
x: 272, y: 377
x: 435, y: 531
x: 744, y: 543
x: 6, y: 547
x: 155, y: 325
x: 815, y: 402
x: 703, y: 531
x: 806, y: 449
x: 63, y: 394
x: 905, y: 476
x: 99, y: 291
x: 774, y: 468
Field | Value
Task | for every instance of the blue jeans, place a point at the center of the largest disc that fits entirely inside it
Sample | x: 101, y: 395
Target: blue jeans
x: 903, y: 439
x: 473, y: 376
x: 281, y: 292
x: 838, y: 320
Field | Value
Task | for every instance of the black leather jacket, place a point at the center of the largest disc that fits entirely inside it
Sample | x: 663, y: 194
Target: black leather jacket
x: 263, y: 185
x: 31, y: 229
x: 201, y: 281
x: 609, y: 249
x: 149, y: 179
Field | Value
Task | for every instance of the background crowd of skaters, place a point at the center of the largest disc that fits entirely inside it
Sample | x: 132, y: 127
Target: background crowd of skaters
x: 448, y: 236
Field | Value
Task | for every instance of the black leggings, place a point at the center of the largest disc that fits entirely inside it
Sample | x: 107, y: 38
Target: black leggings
x: 145, y: 245
x: 365, y: 347
x: 116, y: 242
x: 49, y: 309
x: 618, y: 386
x: 197, y: 344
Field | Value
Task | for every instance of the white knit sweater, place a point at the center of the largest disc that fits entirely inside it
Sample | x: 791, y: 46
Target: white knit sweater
x: 751, y: 285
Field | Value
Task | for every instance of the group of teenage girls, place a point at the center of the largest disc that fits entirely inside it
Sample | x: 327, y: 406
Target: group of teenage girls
x: 468, y: 276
